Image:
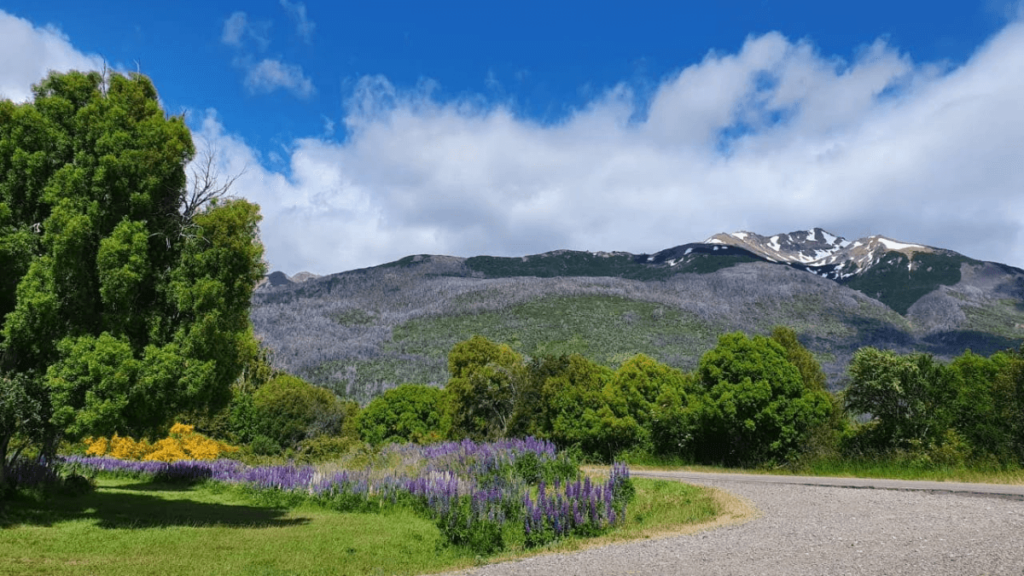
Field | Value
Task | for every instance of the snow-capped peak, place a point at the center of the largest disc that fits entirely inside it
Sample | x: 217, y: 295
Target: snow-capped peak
x: 818, y: 248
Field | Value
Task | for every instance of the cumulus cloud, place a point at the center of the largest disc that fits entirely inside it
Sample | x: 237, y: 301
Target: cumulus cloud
x: 772, y: 138
x: 28, y: 53
x: 234, y: 29
x: 269, y: 75
x: 303, y: 25
x: 238, y: 29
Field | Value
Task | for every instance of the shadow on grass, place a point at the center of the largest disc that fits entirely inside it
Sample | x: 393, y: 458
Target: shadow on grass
x: 118, y: 510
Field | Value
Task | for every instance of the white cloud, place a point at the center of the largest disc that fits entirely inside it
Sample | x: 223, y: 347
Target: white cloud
x: 28, y: 53
x: 238, y: 28
x: 269, y: 75
x: 772, y: 138
x: 303, y: 25
x: 234, y: 29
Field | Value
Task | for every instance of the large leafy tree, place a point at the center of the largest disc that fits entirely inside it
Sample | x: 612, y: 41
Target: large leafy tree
x: 410, y: 412
x: 124, y: 298
x: 909, y: 397
x: 756, y: 406
x: 483, y: 384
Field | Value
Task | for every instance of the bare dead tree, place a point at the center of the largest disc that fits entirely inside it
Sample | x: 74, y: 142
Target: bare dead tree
x: 207, y: 186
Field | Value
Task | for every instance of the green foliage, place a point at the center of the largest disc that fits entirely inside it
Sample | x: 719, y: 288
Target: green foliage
x: 946, y: 415
x: 573, y: 406
x: 755, y: 407
x: 810, y: 371
x: 574, y: 263
x: 894, y: 283
x: 908, y: 397
x: 600, y: 328
x: 633, y: 398
x: 409, y: 413
x: 565, y: 263
x: 288, y: 410
x: 119, y: 310
x: 481, y: 390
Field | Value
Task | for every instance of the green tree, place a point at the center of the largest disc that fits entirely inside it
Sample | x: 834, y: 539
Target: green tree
x: 1009, y: 391
x: 825, y: 438
x: 632, y: 396
x: 810, y: 370
x: 977, y: 407
x: 482, y: 387
x: 755, y: 407
x: 288, y: 410
x: 528, y: 414
x: 573, y: 406
x: 125, y: 297
x: 909, y: 397
x: 409, y: 413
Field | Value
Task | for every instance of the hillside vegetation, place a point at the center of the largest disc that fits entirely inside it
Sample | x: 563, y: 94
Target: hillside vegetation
x: 362, y: 332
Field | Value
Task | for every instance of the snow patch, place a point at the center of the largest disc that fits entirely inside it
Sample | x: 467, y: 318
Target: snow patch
x: 894, y: 245
x: 688, y: 250
x: 773, y: 243
x: 740, y: 235
x: 713, y: 241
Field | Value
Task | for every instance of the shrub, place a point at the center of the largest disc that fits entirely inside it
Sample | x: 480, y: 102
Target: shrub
x: 182, y: 443
x: 755, y: 407
x: 289, y: 410
x: 409, y: 413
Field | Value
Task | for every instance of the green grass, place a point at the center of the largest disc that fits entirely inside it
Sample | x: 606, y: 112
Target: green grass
x: 128, y: 527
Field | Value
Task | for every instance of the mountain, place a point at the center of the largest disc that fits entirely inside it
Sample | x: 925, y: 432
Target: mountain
x: 363, y: 331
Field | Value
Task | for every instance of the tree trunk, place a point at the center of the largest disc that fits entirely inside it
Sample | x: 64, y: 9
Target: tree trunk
x: 5, y: 442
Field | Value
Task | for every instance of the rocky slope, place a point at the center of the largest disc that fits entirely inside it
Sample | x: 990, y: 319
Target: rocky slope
x: 367, y: 330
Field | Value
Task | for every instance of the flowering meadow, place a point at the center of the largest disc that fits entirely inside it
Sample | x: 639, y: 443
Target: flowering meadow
x: 481, y: 495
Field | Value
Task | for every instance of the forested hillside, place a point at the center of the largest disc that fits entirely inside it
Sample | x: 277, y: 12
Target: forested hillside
x: 365, y: 331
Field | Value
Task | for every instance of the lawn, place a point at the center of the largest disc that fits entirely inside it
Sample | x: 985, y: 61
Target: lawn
x: 133, y: 527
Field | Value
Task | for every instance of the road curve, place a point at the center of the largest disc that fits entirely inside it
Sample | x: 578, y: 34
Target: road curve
x: 819, y: 526
x: 1012, y: 491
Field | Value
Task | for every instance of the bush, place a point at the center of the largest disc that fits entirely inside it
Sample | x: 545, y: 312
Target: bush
x: 264, y: 446
x: 408, y: 413
x: 755, y: 408
x: 182, y: 443
x: 289, y: 410
x: 76, y: 485
x: 324, y: 448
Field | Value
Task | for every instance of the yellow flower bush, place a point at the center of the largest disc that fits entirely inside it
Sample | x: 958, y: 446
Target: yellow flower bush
x: 183, y: 443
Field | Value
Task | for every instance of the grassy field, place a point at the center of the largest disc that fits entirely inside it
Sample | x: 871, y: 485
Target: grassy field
x: 128, y: 527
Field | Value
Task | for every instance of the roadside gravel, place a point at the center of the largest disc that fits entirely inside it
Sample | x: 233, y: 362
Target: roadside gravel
x: 819, y: 530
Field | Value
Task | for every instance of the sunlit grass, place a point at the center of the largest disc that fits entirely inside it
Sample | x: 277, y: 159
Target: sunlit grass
x: 129, y: 527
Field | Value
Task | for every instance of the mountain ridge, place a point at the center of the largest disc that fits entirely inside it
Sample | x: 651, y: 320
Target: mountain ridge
x: 363, y: 331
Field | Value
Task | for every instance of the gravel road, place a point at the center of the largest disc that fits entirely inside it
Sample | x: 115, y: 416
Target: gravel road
x: 819, y: 530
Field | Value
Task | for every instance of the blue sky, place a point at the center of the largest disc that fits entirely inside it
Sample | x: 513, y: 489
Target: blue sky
x: 373, y: 130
